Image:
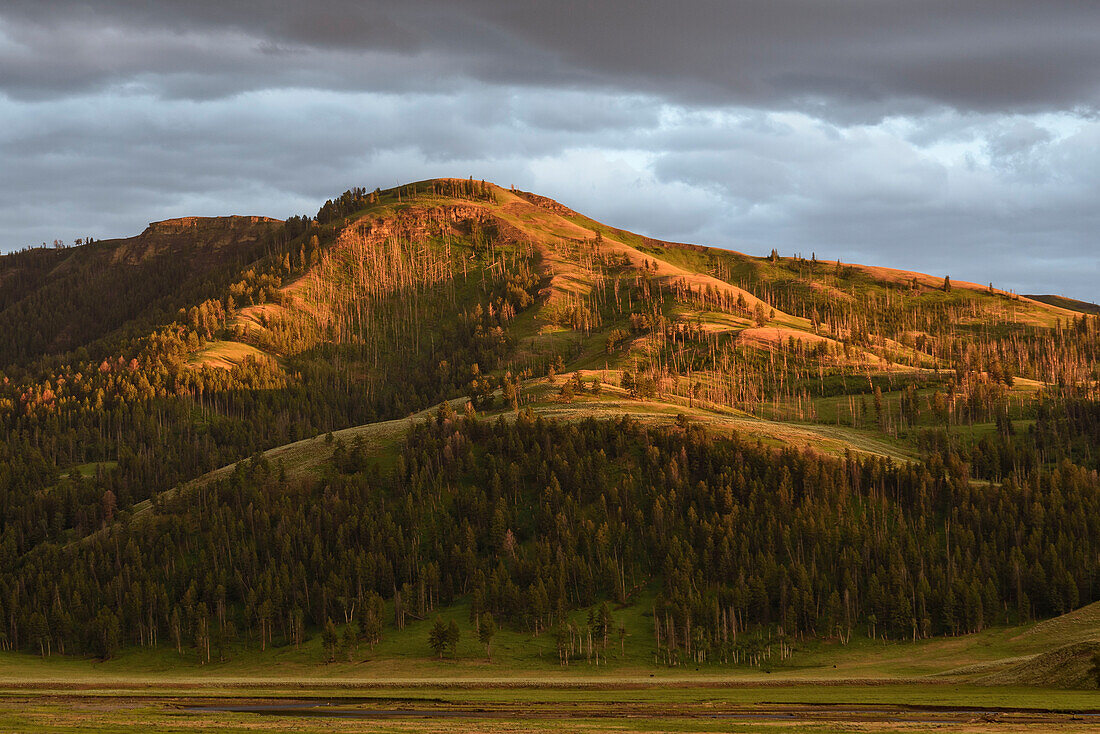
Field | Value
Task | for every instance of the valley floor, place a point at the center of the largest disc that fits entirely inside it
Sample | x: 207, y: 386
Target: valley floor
x: 972, y: 683
x: 676, y: 705
x: 1028, y: 678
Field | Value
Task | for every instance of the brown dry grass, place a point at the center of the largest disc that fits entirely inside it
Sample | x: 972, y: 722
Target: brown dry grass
x: 225, y: 355
x: 1028, y: 310
x: 775, y: 336
x: 546, y: 226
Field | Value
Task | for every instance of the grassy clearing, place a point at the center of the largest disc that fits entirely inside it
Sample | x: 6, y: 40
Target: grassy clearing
x: 226, y: 355
x: 90, y: 469
x: 302, y: 458
x: 826, y: 687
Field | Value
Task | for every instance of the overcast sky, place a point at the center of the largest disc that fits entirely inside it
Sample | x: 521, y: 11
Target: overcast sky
x: 955, y: 137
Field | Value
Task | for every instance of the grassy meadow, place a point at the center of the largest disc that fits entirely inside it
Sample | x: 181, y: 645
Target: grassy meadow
x: 942, y: 684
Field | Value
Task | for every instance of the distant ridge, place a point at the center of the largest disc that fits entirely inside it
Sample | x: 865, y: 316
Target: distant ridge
x: 1068, y: 303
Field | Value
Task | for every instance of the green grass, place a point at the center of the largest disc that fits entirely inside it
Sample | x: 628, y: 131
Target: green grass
x: 610, y: 708
x: 90, y: 469
x: 403, y: 656
x: 524, y: 689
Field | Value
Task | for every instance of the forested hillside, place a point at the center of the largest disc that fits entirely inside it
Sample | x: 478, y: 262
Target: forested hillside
x: 761, y: 447
x: 54, y: 301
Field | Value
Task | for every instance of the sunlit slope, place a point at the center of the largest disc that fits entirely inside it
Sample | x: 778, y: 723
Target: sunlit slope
x: 1069, y: 304
x: 427, y: 239
x: 597, y: 278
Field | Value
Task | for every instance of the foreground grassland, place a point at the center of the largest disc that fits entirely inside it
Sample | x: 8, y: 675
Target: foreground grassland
x: 676, y: 706
x: 403, y: 657
x: 867, y: 685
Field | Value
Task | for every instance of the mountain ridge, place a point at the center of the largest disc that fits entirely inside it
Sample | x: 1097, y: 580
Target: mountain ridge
x: 489, y: 402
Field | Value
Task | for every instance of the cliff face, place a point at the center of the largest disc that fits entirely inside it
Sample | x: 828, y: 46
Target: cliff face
x: 191, y: 225
x: 192, y: 236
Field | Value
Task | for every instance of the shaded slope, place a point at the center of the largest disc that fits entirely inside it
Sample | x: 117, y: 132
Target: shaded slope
x: 1069, y: 304
x: 76, y: 296
x: 383, y: 439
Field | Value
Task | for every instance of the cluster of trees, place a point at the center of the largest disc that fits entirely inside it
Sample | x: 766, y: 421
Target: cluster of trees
x: 590, y: 639
x: 1063, y: 429
x: 350, y: 201
x: 444, y: 637
x: 355, y: 199
x: 535, y: 518
x: 459, y: 189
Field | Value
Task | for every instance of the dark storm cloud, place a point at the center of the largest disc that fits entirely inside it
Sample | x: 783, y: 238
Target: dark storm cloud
x: 842, y: 56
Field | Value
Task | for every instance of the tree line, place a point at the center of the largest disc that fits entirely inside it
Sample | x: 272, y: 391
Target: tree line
x: 530, y: 519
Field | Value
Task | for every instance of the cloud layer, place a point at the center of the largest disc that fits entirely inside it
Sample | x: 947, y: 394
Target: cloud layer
x: 949, y: 137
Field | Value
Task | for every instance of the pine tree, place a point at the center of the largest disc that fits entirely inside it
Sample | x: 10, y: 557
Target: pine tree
x: 486, y: 629
x: 759, y: 315
x: 370, y: 621
x: 438, y: 637
x: 328, y: 641
x: 347, y: 642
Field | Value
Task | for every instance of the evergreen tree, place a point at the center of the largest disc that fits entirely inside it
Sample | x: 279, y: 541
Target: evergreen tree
x: 486, y: 630
x: 439, y: 637
x: 328, y: 641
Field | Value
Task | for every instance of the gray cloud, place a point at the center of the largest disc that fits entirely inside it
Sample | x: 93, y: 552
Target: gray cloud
x: 842, y: 57
x: 942, y: 136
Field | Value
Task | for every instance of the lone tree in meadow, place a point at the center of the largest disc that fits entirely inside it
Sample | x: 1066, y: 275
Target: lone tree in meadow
x: 485, y: 634
x: 370, y: 621
x: 437, y: 637
x: 328, y: 641
x: 759, y: 315
x: 567, y: 392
